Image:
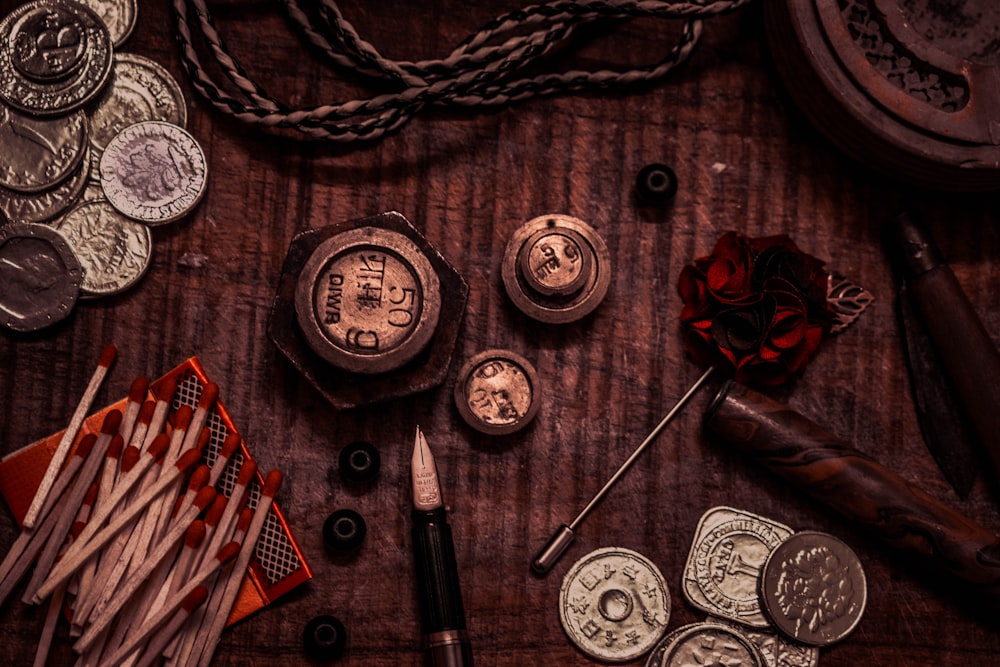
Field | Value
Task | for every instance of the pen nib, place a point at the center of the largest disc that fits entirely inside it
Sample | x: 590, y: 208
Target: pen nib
x: 426, y: 489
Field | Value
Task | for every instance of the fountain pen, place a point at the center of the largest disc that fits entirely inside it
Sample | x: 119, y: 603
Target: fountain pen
x: 441, y: 611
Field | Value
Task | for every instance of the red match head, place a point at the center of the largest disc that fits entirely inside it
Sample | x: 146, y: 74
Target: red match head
x: 137, y: 392
x: 112, y: 422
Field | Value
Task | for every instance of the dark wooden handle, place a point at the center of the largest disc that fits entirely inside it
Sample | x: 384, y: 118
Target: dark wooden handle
x: 855, y: 485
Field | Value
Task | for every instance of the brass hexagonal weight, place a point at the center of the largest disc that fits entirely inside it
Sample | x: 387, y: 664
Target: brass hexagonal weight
x: 367, y: 310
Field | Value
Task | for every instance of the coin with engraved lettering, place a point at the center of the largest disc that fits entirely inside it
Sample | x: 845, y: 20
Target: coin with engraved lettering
x: 45, y: 204
x: 39, y: 153
x: 55, y: 56
x: 813, y: 588
x: 118, y: 15
x: 139, y: 90
x: 497, y: 392
x: 777, y: 650
x: 705, y: 644
x: 614, y: 604
x: 114, y: 251
x: 39, y: 276
x: 154, y: 172
x: 724, y: 564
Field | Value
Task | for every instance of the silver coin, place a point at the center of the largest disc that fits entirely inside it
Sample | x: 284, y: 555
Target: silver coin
x: 115, y: 252
x: 153, y: 172
x: 724, y: 564
x: 46, y: 204
x: 139, y: 90
x: 776, y: 650
x: 813, y: 588
x: 38, y: 153
x: 614, y: 604
x: 118, y: 15
x: 55, y: 56
x: 39, y: 276
x: 705, y: 644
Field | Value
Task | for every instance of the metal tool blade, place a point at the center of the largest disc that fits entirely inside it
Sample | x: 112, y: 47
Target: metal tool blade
x: 945, y: 428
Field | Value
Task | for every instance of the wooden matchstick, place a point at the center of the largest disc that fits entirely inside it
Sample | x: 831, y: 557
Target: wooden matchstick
x: 229, y: 447
x: 136, y: 397
x: 94, y: 537
x: 49, y: 627
x: 205, y: 647
x: 209, y: 394
x: 138, y: 637
x: 162, y: 409
x: 76, y: 421
x: 162, y: 637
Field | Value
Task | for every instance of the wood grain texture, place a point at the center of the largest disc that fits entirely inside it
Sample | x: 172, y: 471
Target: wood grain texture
x: 745, y: 161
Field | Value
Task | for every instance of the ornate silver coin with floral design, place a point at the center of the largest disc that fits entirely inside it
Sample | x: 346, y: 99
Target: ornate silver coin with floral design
x: 776, y: 650
x: 153, y: 172
x: 724, y: 564
x: 55, y: 56
x: 614, y: 604
x: 38, y: 153
x: 705, y: 644
x: 39, y: 276
x: 46, y: 204
x: 813, y: 588
x: 118, y: 15
x: 113, y: 250
x: 139, y: 90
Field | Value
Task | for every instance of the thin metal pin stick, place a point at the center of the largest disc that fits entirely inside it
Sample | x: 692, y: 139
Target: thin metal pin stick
x: 561, y: 539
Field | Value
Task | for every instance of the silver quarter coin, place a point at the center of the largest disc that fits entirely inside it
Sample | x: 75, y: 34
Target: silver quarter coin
x: 813, y: 588
x: 139, y: 90
x: 38, y: 153
x: 153, y: 172
x: 118, y: 15
x: 46, y: 204
x: 55, y: 56
x: 114, y: 251
x: 724, y: 564
x: 776, y: 650
x: 705, y: 644
x: 614, y: 604
x: 39, y: 276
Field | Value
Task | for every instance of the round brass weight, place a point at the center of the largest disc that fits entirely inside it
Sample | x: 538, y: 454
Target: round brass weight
x: 556, y: 268
x: 497, y: 392
x: 367, y: 300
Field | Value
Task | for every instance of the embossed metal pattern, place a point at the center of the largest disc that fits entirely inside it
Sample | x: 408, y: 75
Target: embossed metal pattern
x: 39, y: 276
x: 113, y: 250
x: 614, y: 604
x: 367, y: 300
x: 707, y: 644
x: 776, y: 650
x: 46, y: 204
x: 38, y: 153
x: 118, y: 15
x: 723, y: 567
x: 154, y: 172
x: 556, y: 268
x: 497, y: 392
x: 813, y: 588
x: 55, y: 56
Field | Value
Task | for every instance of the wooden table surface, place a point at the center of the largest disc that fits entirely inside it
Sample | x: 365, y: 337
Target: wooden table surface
x: 746, y: 161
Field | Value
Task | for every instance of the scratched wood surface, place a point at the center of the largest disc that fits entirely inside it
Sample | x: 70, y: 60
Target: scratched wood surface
x: 467, y: 181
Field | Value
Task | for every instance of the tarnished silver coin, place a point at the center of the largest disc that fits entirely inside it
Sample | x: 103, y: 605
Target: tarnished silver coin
x: 154, y: 172
x: 118, y: 15
x: 55, y: 56
x: 724, y: 564
x: 813, y: 588
x: 39, y: 276
x: 705, y: 644
x: 46, y: 204
x: 776, y: 650
x: 39, y: 153
x: 614, y: 604
x: 139, y: 90
x: 114, y: 251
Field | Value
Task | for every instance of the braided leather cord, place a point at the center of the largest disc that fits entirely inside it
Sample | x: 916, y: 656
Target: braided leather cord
x: 485, y: 70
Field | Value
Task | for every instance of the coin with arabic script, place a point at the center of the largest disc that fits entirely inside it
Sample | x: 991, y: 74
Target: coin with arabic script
x: 813, y: 588
x: 705, y: 644
x: 614, y: 604
x: 55, y: 56
x: 153, y: 172
x: 39, y: 276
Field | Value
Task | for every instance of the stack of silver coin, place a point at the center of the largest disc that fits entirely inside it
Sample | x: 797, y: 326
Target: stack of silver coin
x: 95, y: 154
x: 773, y: 596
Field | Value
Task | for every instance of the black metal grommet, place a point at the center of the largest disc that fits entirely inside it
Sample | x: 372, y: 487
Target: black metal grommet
x: 324, y: 638
x: 656, y: 184
x: 344, y: 530
x: 359, y: 462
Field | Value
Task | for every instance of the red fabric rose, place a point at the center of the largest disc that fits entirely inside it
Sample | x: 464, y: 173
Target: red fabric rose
x: 755, y: 306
